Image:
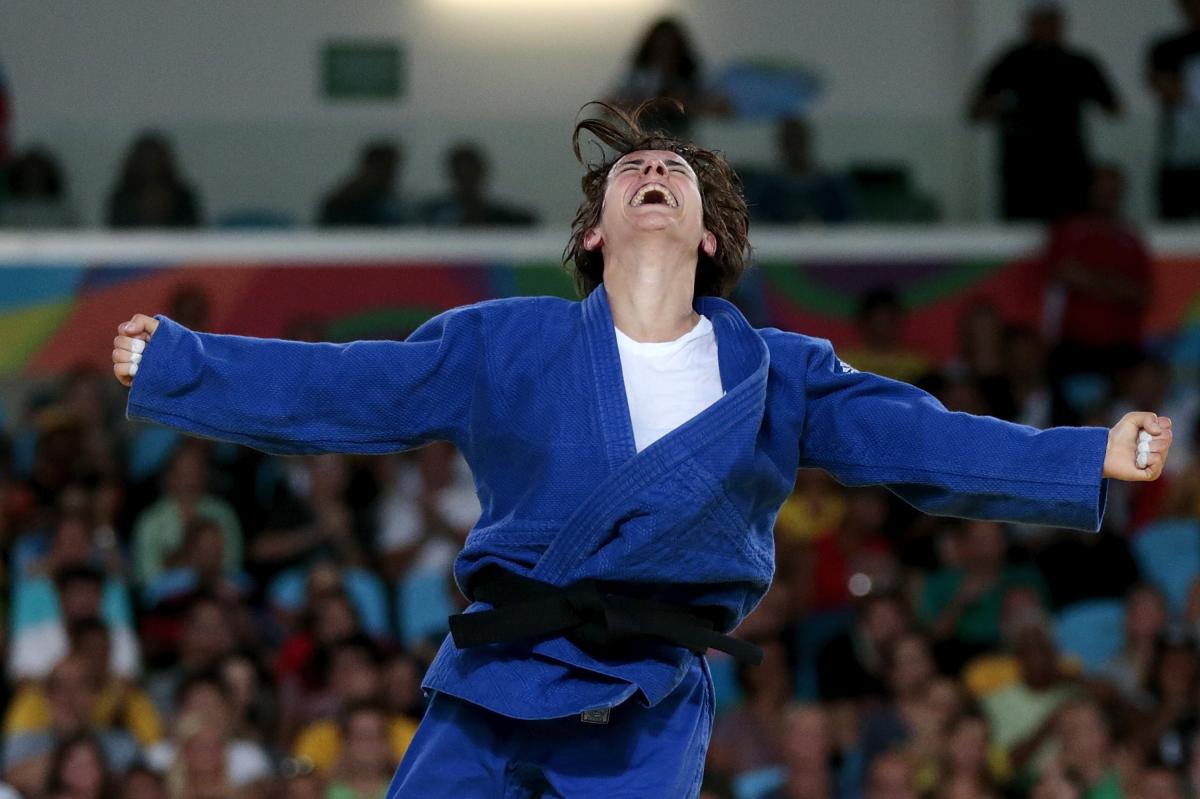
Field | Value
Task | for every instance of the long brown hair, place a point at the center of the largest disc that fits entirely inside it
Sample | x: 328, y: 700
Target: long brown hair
x: 725, y: 213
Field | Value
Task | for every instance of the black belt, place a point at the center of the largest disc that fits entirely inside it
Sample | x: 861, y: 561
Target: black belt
x: 525, y: 608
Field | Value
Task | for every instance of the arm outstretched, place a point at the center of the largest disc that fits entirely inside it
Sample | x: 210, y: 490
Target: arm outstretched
x: 290, y: 397
x: 865, y: 429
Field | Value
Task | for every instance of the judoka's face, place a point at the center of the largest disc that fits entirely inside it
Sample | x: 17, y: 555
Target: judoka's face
x: 652, y: 191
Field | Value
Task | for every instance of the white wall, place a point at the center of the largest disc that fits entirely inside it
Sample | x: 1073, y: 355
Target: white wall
x: 236, y: 82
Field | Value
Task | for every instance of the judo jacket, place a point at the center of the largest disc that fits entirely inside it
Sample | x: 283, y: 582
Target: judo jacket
x: 531, y: 392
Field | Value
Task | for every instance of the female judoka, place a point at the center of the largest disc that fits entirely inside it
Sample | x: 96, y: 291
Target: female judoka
x: 630, y: 453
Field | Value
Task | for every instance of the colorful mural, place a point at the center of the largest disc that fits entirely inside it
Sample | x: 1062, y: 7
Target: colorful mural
x: 52, y: 317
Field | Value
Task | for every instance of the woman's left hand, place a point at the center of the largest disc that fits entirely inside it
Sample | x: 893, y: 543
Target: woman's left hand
x: 1120, y: 457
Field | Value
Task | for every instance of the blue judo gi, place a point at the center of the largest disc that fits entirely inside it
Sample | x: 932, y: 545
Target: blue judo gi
x: 530, y: 390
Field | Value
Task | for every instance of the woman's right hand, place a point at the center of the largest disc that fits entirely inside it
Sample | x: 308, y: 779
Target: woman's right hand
x: 128, y: 346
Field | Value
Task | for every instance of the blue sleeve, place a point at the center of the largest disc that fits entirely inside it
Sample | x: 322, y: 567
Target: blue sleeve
x: 869, y: 430
x: 289, y: 397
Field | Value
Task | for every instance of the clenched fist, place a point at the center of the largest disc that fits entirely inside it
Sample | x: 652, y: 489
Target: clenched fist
x: 131, y: 340
x: 1121, y: 457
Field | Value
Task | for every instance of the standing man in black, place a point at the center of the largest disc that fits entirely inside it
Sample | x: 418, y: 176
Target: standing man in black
x: 1036, y: 92
x: 1174, y: 72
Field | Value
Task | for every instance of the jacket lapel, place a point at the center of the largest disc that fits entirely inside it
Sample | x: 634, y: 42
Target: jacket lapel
x: 744, y: 364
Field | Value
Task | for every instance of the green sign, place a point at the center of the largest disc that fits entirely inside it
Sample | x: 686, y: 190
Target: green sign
x: 362, y: 70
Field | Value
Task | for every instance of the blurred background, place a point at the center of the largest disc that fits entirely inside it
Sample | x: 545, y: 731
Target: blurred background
x: 997, y: 200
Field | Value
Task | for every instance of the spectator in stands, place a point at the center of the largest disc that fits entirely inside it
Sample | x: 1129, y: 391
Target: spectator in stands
x: 295, y: 593
x: 1174, y: 73
x: 72, y: 696
x: 190, y: 304
x: 981, y: 359
x: 752, y: 730
x: 203, y: 746
x: 252, y: 699
x: 427, y: 507
x: 1054, y: 783
x: 1098, y: 271
x: 369, y: 197
x: 62, y: 457
x: 401, y: 690
x: 142, y: 782
x: 198, y: 567
x: 910, y: 671
x: 665, y: 64
x: 801, y: 191
x: 311, y: 519
x: 467, y: 204
x: 209, y: 635
x: 1037, y: 91
x: 880, y: 325
x: 86, y: 397
x: 1183, y: 500
x: 970, y: 766
x: 1087, y: 749
x: 1022, y: 716
x: 355, y: 678
x: 852, y: 559
x: 853, y: 664
x: 78, y: 770
x: 817, y: 505
x: 118, y: 703
x: 1166, y: 726
x: 997, y: 669
x: 961, y: 603
x: 1025, y: 373
x: 807, y: 755
x: 200, y: 768
x: 51, y: 607
x: 891, y: 776
x: 302, y: 784
x: 1158, y: 782
x: 367, y: 760
x: 1145, y: 625
x: 1078, y: 566
x: 37, y: 193
x: 300, y: 666
x: 150, y: 192
x: 159, y: 531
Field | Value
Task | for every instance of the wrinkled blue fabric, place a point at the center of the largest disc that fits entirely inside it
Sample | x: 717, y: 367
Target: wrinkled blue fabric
x: 530, y: 390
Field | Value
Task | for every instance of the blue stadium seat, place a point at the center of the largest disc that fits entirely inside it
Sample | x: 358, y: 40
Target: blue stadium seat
x: 423, y: 606
x: 757, y: 784
x: 1092, y: 631
x: 1168, y: 553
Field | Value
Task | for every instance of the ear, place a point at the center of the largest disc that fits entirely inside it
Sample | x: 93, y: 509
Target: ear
x: 592, y: 239
x: 708, y: 244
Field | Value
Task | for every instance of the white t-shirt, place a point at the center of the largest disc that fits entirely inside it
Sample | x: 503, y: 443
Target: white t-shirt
x: 669, y: 382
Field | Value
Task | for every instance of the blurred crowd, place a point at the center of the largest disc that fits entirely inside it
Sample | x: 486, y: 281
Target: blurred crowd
x: 184, y: 619
x: 1037, y: 93
x: 187, y: 619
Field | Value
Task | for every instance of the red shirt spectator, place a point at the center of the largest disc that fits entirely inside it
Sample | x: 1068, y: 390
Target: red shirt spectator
x: 1102, y: 271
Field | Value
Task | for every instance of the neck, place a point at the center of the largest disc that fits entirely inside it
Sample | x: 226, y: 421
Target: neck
x: 650, y: 286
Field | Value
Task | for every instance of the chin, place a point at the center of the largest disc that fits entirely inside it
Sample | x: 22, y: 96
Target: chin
x: 653, y: 221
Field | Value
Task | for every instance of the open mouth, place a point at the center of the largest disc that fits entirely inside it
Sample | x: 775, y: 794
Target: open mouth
x: 654, y: 194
